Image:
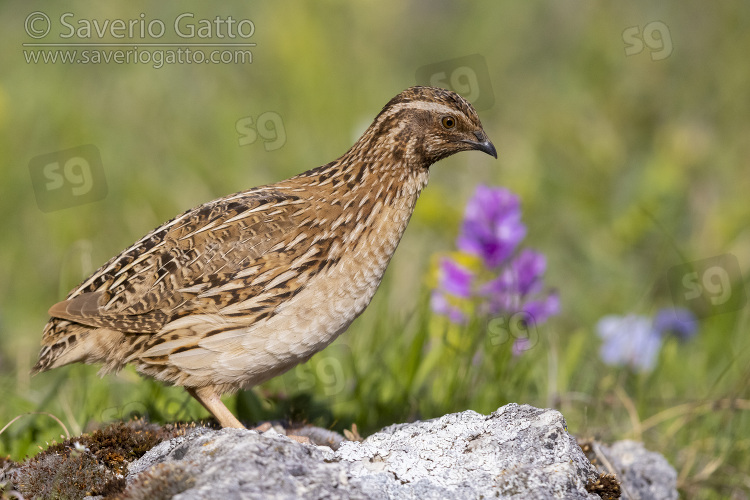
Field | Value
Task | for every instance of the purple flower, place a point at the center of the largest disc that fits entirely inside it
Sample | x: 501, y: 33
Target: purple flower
x: 440, y: 304
x: 629, y: 340
x: 521, y: 345
x: 500, y: 293
x: 679, y: 322
x: 510, y: 281
x: 454, y: 278
x: 529, y: 267
x: 492, y: 227
x: 510, y: 291
x: 542, y: 309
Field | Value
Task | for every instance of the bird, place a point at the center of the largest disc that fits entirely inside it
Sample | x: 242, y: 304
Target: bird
x: 241, y: 289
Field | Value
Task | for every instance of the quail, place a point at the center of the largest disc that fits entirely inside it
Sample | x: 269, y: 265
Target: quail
x: 240, y: 289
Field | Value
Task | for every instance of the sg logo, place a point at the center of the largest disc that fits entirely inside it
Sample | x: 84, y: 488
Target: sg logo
x: 710, y: 286
x: 76, y: 171
x: 325, y: 373
x: 68, y: 178
x: 517, y: 327
x: 655, y: 36
x: 467, y: 76
x: 269, y: 126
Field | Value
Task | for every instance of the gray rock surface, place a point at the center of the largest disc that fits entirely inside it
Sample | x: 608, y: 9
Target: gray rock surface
x: 236, y: 464
x: 517, y: 452
x: 644, y: 474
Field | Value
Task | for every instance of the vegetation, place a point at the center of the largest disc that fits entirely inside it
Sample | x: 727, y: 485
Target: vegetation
x: 631, y: 172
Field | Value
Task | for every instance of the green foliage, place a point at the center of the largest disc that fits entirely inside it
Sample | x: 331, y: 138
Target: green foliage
x: 626, y: 166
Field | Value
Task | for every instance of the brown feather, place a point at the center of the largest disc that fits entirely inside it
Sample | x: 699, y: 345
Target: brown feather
x: 240, y: 289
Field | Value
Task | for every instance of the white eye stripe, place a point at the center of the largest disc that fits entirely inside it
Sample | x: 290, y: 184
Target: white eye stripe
x: 422, y: 105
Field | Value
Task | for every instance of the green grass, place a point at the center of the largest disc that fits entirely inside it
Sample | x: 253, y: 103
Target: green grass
x: 626, y: 166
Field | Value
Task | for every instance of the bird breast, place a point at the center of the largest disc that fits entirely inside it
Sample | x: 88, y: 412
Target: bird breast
x: 323, y: 309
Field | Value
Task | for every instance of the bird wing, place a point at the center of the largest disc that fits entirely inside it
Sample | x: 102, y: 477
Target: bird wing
x: 178, y: 267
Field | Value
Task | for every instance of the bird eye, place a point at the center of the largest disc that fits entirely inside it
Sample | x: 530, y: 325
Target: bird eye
x: 448, y: 122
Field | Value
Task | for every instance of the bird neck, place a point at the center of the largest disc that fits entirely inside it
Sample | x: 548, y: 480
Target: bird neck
x: 379, y: 170
x: 393, y: 147
x: 378, y: 177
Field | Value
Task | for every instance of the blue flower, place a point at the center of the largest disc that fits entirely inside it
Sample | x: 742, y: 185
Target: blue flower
x: 635, y: 341
x: 629, y: 340
x: 679, y: 322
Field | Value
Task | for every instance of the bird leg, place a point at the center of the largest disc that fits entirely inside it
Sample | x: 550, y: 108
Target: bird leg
x: 211, y: 401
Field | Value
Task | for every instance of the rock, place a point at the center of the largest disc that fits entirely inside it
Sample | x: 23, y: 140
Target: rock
x: 236, y: 463
x: 643, y: 474
x: 517, y: 452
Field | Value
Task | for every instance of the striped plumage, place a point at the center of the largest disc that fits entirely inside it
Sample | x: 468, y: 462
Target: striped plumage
x: 241, y: 289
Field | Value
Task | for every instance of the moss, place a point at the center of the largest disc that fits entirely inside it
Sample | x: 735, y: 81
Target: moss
x: 606, y: 486
x: 90, y: 464
x: 54, y: 476
x: 113, y: 487
x: 588, y: 450
x: 6, y: 467
x: 161, y: 482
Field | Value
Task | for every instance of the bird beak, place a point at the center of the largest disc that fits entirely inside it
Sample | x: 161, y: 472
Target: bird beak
x: 482, y: 144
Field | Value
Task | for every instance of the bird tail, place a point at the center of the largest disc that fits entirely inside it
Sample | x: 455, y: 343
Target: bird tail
x: 65, y: 342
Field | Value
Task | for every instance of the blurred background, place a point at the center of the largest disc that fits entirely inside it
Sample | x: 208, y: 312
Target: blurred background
x: 623, y: 128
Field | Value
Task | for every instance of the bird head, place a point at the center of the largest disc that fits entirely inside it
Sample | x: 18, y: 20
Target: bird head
x: 427, y: 124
